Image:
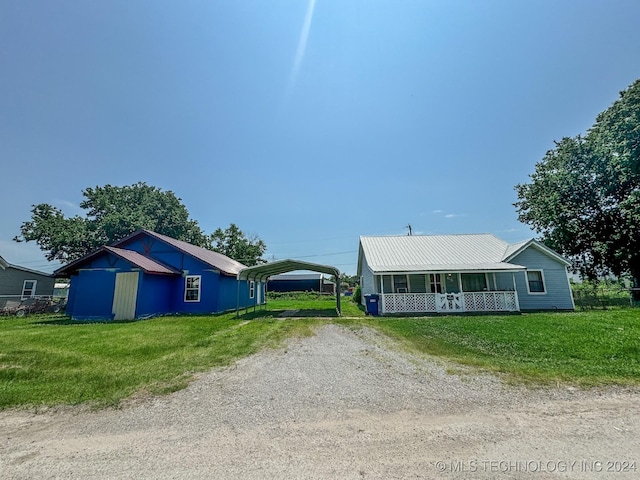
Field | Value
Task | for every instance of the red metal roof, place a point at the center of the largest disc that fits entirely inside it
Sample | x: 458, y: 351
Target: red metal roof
x: 214, y: 259
x: 145, y: 263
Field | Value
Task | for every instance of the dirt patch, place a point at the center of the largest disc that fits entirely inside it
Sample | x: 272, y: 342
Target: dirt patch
x: 341, y: 404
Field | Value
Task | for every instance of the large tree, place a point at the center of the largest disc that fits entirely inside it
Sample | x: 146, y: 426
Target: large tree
x: 112, y: 214
x: 584, y: 197
x: 233, y: 243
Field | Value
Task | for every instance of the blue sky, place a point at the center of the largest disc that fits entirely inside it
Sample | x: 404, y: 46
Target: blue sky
x: 306, y: 122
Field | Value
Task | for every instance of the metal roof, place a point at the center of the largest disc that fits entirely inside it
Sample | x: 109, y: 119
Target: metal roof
x: 297, y: 276
x: 4, y: 264
x: 435, y: 253
x: 148, y: 265
x: 262, y: 272
x: 214, y: 259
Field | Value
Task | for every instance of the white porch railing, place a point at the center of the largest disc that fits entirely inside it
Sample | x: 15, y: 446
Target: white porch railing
x: 449, y: 302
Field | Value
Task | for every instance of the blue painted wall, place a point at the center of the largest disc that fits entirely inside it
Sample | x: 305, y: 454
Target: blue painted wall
x: 229, y: 294
x: 93, y: 295
x: 303, y: 285
x: 92, y: 289
x: 71, y: 298
x: 154, y: 295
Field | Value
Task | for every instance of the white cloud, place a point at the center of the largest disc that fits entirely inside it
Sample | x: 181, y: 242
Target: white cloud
x: 302, y: 45
x: 68, y: 206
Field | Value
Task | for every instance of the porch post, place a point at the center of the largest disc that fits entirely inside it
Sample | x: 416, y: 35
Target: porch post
x: 515, y: 291
x: 380, y: 300
x: 463, y: 307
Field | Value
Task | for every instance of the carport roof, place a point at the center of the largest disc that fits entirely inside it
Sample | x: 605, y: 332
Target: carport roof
x: 261, y: 272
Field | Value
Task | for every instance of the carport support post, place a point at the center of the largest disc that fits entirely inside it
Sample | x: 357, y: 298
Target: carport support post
x: 237, y: 296
x: 338, y: 290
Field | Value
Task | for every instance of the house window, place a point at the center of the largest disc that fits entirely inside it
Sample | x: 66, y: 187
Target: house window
x: 29, y: 288
x: 192, y: 288
x: 435, y: 280
x: 474, y: 282
x: 386, y: 284
x: 400, y: 283
x: 252, y: 289
x: 535, y: 281
x: 418, y: 283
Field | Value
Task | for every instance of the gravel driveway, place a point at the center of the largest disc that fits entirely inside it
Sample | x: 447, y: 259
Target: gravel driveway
x: 342, y: 404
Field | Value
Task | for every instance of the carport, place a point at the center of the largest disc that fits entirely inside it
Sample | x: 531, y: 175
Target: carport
x: 260, y: 273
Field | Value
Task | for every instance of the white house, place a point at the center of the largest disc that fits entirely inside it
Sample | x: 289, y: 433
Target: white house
x: 462, y: 273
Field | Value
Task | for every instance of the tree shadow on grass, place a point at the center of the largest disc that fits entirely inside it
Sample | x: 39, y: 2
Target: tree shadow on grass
x: 69, y: 321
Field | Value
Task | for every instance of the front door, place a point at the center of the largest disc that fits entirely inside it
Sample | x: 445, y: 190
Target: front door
x: 125, y: 296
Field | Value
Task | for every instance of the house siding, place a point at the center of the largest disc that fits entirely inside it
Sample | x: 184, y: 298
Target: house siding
x: 558, y: 294
x: 368, y: 284
x: 12, y: 280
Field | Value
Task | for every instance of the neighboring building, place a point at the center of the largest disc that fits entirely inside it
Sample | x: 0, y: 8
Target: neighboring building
x: 462, y: 273
x: 20, y: 282
x: 296, y: 282
x: 149, y: 274
x: 61, y: 290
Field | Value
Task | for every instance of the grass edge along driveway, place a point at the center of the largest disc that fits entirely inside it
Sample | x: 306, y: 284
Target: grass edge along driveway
x: 585, y: 349
x: 51, y: 361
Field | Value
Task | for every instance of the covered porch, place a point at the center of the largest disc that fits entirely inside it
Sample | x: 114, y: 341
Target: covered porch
x: 447, y: 292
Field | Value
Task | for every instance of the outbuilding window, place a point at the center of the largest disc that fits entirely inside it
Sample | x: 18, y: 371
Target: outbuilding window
x: 252, y: 289
x: 535, y: 281
x: 29, y: 288
x: 192, y: 288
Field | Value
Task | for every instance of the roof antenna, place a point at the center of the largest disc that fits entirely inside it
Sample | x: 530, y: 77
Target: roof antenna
x: 410, y: 230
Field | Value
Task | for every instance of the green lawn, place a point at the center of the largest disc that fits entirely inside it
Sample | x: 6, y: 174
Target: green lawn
x: 50, y: 360
x: 309, y: 305
x: 585, y: 348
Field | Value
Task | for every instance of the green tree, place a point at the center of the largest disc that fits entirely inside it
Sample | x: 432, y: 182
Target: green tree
x: 112, y: 214
x: 233, y: 243
x: 584, y: 197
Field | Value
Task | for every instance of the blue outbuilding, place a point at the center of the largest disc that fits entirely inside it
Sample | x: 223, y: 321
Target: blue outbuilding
x: 148, y: 274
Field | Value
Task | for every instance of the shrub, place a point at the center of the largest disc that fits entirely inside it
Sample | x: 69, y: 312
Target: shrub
x: 357, y: 295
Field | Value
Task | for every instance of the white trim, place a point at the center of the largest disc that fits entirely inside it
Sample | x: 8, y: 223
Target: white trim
x: 186, y: 289
x: 33, y: 289
x: 544, y: 283
x: 540, y: 247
